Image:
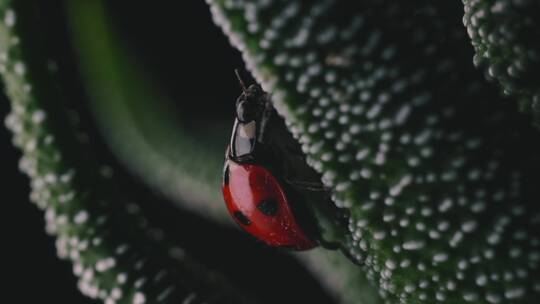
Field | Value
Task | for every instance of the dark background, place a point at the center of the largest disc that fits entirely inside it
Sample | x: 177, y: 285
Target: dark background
x: 193, y: 62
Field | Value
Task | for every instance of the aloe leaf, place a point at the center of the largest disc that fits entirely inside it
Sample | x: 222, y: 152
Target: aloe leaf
x: 117, y: 255
x: 505, y: 37
x: 438, y: 172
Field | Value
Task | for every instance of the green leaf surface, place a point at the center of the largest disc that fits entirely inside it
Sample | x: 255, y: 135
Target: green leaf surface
x: 438, y: 172
x: 506, y: 37
x: 117, y: 255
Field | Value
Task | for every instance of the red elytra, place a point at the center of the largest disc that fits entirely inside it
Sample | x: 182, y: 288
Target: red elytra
x: 258, y: 203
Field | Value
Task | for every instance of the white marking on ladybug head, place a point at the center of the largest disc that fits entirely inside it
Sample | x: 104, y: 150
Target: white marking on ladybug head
x: 247, y: 130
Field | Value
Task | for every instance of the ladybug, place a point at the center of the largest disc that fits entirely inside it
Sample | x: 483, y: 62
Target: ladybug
x: 263, y: 164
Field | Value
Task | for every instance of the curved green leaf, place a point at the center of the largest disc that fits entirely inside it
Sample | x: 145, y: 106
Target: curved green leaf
x: 138, y: 121
x: 117, y: 256
x: 505, y: 35
x: 438, y: 173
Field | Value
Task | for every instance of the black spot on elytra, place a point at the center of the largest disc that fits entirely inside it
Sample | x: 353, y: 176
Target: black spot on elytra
x: 226, y: 175
x: 242, y: 218
x: 268, y: 207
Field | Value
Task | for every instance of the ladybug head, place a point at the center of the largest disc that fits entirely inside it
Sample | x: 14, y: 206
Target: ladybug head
x: 251, y: 104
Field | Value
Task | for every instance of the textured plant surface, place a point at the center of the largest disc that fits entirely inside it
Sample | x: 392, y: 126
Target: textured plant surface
x: 437, y: 170
x: 115, y: 254
x: 505, y: 37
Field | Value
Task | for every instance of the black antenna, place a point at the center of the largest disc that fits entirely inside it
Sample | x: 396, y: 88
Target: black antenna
x: 240, y: 80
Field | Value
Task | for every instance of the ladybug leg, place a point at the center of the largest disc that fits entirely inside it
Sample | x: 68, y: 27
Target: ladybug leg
x: 307, y: 185
x: 266, y: 116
